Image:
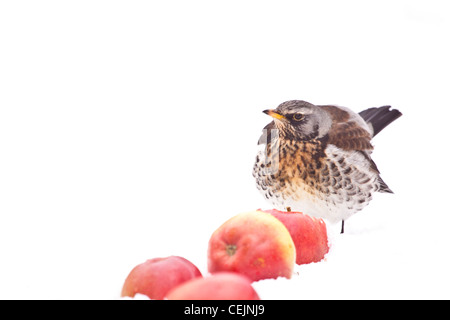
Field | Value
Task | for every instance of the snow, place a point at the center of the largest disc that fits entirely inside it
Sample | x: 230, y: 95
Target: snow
x: 128, y: 131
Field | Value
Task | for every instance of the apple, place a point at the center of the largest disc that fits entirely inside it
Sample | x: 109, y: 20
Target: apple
x: 155, y: 277
x: 218, y: 286
x: 309, y: 235
x: 255, y: 244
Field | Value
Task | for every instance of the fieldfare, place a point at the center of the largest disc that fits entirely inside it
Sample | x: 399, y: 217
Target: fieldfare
x: 317, y: 158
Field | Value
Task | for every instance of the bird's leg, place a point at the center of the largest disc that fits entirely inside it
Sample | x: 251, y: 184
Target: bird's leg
x: 288, y: 209
x: 342, y: 227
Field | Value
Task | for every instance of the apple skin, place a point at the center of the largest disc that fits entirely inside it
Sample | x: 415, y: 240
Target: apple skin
x: 254, y: 244
x: 155, y: 277
x: 309, y: 235
x: 219, y: 286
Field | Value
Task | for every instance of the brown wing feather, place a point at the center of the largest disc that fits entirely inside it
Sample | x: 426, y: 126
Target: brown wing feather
x: 337, y: 114
x: 345, y: 134
x: 349, y: 136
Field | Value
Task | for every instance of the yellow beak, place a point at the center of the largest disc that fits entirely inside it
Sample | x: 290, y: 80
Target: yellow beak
x: 274, y: 114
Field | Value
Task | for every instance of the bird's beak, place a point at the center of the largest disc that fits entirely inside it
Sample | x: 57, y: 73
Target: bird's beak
x: 274, y: 114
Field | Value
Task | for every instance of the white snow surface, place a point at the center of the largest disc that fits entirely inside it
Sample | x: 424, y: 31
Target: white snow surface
x: 128, y: 131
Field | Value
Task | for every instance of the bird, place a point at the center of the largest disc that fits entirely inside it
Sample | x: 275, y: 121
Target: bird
x: 316, y: 159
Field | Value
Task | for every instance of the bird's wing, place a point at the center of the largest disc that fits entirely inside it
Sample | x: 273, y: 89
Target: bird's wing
x: 348, y: 130
x: 349, y: 136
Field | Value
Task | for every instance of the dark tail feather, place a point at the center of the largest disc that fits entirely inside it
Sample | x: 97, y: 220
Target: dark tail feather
x: 384, y: 187
x: 380, y: 117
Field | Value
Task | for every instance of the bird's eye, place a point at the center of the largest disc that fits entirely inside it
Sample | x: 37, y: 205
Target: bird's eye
x: 298, y: 117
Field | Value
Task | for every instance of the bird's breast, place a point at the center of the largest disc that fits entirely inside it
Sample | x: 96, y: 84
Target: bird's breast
x: 290, y: 169
x: 302, y: 161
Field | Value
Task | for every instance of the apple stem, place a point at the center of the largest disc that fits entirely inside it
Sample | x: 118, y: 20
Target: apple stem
x: 288, y: 209
x: 342, y: 227
x: 231, y: 249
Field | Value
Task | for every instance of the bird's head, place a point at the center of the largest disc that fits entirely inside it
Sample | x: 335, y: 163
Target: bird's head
x: 300, y: 120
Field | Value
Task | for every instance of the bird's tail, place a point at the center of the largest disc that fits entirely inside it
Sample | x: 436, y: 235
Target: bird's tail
x: 380, y: 118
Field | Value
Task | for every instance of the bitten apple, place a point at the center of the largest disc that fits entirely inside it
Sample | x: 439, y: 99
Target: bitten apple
x: 219, y: 286
x: 155, y: 277
x: 309, y: 235
x: 255, y: 244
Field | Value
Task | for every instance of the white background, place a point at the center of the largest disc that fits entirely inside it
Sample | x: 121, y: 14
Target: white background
x: 128, y: 131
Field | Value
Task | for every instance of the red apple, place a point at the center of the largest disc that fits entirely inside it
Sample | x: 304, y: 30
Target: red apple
x: 155, y: 277
x: 255, y: 244
x: 219, y: 286
x: 309, y: 235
